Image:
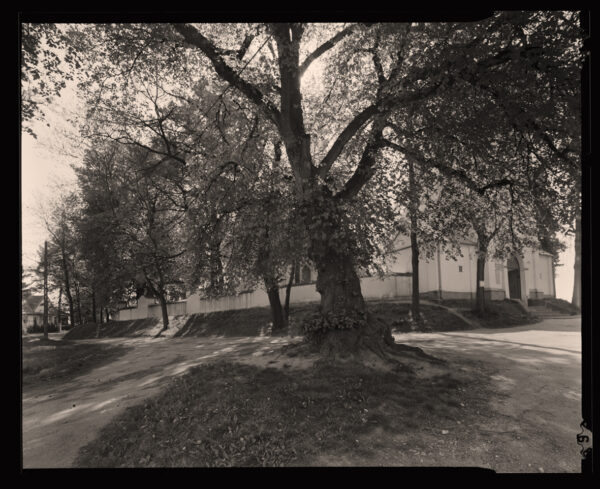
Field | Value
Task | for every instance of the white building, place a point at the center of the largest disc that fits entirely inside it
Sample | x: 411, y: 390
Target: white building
x: 529, y: 276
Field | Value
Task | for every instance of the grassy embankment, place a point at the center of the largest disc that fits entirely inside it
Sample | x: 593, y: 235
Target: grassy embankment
x: 58, y: 360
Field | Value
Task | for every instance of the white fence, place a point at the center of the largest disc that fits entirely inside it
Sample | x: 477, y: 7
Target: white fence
x: 373, y: 288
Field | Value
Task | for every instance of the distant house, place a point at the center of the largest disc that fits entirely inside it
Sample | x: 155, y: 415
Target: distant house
x: 32, y: 311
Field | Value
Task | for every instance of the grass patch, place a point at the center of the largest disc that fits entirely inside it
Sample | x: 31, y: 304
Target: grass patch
x: 256, y: 322
x: 112, y: 329
x: 227, y: 414
x: 240, y: 322
x: 49, y: 360
x: 558, y: 305
x: 502, y: 314
x: 435, y: 318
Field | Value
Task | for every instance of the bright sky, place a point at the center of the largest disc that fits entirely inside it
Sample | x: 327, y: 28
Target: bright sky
x: 45, y: 173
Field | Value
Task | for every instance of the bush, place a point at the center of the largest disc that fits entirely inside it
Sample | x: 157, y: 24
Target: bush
x: 39, y: 328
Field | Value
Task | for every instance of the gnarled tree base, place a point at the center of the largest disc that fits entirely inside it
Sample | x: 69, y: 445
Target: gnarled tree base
x: 372, y: 344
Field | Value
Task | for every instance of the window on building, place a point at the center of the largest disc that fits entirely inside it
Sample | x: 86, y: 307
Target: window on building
x: 460, y: 268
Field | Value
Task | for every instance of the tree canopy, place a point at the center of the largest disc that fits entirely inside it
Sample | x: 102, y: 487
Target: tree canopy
x: 488, y: 111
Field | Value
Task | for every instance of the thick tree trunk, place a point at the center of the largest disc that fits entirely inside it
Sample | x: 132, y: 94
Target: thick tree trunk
x: 164, y: 310
x: 288, y: 293
x: 480, y: 296
x: 275, y: 303
x: 101, y: 318
x: 576, y: 299
x: 344, y: 326
x: 339, y: 286
x: 415, y: 304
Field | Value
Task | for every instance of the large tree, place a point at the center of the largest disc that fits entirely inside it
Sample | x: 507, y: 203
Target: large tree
x: 147, y: 222
x: 60, y: 220
x: 334, y: 121
x: 410, y: 64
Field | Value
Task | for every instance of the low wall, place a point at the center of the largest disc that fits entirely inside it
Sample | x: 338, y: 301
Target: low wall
x: 372, y: 288
x: 173, y: 309
x: 125, y: 314
x: 389, y: 287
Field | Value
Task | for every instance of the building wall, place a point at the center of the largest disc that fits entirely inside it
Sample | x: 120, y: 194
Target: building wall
x: 456, y: 283
x: 538, y: 274
x: 401, y: 262
x: 173, y: 309
x: 428, y: 275
x: 372, y: 288
x: 458, y: 275
x: 28, y: 320
x: 544, y: 274
x: 386, y: 288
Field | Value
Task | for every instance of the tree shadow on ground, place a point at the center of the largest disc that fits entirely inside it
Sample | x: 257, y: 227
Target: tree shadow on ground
x: 50, y: 361
x: 229, y: 414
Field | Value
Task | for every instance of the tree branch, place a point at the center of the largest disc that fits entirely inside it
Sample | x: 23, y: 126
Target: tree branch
x: 346, y: 135
x: 193, y: 37
x: 365, y: 169
x: 448, y: 170
x: 383, y: 105
x: 326, y: 46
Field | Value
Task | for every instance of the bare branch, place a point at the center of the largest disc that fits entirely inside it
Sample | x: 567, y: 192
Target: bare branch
x: 382, y: 106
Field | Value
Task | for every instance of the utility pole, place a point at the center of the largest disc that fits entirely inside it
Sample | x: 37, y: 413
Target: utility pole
x: 45, y: 290
x: 576, y: 300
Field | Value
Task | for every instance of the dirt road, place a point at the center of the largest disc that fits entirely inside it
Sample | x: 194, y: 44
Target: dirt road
x: 536, y: 369
x: 60, y: 418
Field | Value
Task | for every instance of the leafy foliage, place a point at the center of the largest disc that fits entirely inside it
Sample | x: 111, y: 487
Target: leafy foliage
x: 487, y: 110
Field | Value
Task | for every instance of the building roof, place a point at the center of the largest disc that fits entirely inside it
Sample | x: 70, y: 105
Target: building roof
x: 32, y: 303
